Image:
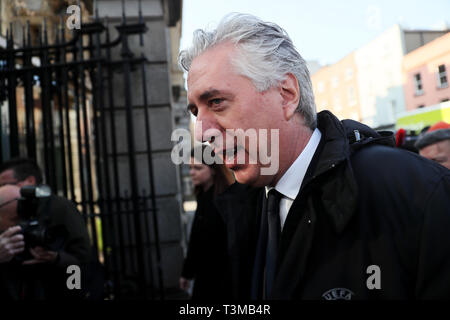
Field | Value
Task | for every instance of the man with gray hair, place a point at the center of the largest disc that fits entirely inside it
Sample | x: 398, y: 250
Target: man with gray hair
x: 346, y: 216
x: 434, y: 144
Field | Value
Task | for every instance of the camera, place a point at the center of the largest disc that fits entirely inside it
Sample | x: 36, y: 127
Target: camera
x: 35, y: 234
x: 33, y: 213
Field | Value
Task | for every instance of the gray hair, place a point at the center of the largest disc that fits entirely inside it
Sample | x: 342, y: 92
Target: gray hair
x: 265, y: 55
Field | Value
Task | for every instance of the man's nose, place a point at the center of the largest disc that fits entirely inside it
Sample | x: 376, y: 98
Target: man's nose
x: 204, y: 127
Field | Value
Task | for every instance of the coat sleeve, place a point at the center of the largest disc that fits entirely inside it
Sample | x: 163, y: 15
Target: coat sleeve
x: 77, y: 247
x: 433, y: 273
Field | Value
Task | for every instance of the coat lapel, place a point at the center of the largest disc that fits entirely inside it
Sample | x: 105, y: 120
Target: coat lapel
x: 329, y: 174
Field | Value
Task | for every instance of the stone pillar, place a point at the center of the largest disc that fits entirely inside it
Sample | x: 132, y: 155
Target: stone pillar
x: 159, y: 98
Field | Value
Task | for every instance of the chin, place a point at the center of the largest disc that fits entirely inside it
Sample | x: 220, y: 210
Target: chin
x: 250, y: 175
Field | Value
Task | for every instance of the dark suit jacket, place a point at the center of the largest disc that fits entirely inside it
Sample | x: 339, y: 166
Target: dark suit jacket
x: 206, y: 259
x: 363, y: 206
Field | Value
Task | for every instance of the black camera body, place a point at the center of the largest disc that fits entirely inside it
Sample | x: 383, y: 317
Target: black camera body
x: 35, y: 234
x: 32, y: 210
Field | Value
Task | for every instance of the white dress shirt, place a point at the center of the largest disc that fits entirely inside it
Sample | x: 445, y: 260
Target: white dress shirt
x: 290, y: 182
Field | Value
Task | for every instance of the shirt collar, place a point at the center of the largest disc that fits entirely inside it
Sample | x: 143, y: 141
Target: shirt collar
x: 290, y: 182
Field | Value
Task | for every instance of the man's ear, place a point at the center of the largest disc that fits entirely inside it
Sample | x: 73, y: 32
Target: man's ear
x: 290, y: 93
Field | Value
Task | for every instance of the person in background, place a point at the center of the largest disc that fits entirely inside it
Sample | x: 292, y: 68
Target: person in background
x: 206, y: 259
x: 434, y: 144
x: 346, y: 215
x: 39, y: 273
x: 11, y: 238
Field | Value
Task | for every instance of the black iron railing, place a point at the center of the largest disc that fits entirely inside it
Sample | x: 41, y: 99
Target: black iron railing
x: 60, y: 103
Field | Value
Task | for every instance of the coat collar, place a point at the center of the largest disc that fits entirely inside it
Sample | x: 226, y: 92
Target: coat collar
x: 331, y: 172
x: 329, y: 190
x: 332, y: 168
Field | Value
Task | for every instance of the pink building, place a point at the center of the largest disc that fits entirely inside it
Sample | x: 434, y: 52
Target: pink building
x: 426, y: 73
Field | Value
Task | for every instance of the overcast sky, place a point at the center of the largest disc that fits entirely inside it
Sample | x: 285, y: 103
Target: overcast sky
x: 322, y: 30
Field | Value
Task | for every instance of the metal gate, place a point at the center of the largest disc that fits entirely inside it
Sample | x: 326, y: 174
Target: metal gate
x: 58, y: 107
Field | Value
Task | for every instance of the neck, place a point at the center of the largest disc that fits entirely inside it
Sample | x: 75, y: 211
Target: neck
x: 296, y: 142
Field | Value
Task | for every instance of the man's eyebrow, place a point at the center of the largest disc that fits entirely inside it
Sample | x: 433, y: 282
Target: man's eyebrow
x: 208, y: 94
x: 205, y: 96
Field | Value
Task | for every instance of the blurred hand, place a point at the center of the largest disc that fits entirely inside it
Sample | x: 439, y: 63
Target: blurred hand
x: 11, y: 243
x: 41, y: 255
x: 184, y: 283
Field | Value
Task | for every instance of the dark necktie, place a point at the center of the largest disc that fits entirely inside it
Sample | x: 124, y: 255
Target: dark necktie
x: 273, y: 239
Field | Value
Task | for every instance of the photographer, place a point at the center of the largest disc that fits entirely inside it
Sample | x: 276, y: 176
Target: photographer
x: 28, y: 270
x: 11, y: 240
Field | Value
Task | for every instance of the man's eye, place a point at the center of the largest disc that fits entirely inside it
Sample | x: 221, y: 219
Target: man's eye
x: 215, y: 101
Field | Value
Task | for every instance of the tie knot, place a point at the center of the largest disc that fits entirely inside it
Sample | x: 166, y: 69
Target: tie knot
x: 273, y: 200
x: 274, y: 194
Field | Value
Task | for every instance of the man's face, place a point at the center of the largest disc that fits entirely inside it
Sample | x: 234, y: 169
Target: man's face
x: 223, y: 99
x: 8, y: 177
x: 8, y: 206
x: 439, y: 152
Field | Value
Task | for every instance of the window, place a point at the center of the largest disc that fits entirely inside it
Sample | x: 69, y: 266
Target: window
x: 421, y: 106
x: 335, y: 81
x: 444, y: 100
x: 418, y: 84
x: 393, y: 105
x: 348, y: 73
x: 442, y: 77
x: 337, y: 103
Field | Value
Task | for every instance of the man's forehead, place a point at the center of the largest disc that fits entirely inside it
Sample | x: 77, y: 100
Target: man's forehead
x: 444, y: 145
x: 217, y: 52
x: 213, y: 79
x: 432, y: 148
x: 7, y: 175
x: 8, y: 193
x: 7, y: 172
x: 212, y: 60
x: 438, y: 147
x: 433, y: 151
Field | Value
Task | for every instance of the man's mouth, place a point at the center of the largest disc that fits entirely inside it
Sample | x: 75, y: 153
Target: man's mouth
x: 230, y: 157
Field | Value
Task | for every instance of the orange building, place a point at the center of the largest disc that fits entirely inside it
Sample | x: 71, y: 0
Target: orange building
x: 426, y: 74
x: 336, y: 88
